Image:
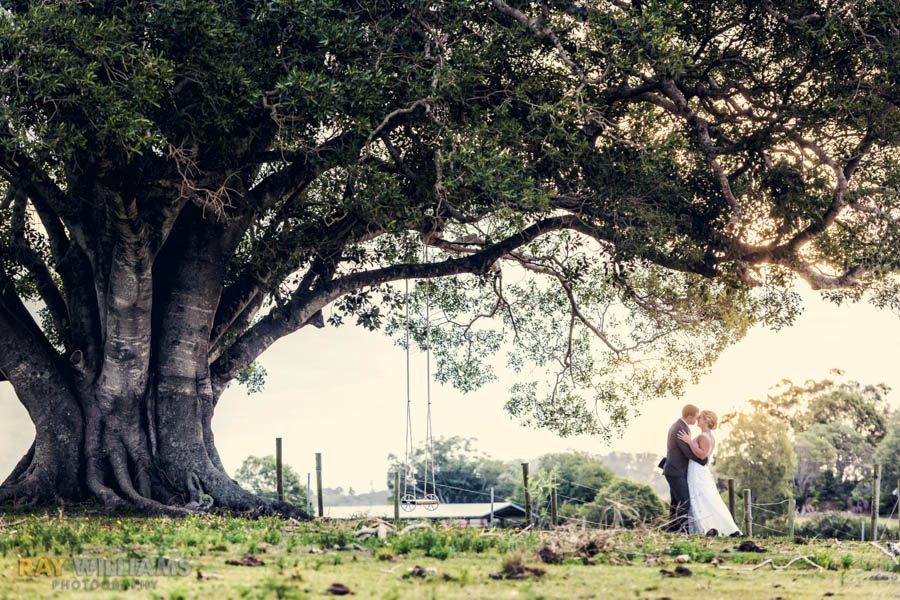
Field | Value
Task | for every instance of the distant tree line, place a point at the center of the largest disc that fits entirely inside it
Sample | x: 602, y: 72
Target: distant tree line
x: 816, y: 441
x: 587, y: 486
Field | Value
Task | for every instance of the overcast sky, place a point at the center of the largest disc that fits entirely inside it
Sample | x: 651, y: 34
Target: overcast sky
x: 341, y: 392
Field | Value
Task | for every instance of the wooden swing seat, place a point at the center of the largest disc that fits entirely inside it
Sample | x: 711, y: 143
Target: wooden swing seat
x: 425, y: 501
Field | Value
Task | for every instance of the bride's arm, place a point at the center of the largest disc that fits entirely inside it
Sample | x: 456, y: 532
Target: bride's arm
x: 700, y: 447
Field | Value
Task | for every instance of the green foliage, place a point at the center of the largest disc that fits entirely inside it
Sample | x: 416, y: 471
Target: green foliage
x: 832, y: 525
x: 625, y: 503
x: 440, y: 540
x: 258, y: 475
x: 253, y: 378
x: 853, y: 452
x: 863, y: 408
x: 468, y: 474
x: 330, y: 138
x: 641, y: 467
x: 758, y: 454
x: 815, y: 455
x: 888, y: 455
x: 697, y: 551
x: 836, y: 428
x: 577, y: 477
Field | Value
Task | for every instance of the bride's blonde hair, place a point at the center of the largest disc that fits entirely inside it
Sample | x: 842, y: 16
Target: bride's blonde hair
x: 710, y: 417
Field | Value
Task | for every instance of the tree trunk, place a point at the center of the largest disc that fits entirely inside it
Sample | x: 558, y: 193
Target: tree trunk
x: 135, y: 428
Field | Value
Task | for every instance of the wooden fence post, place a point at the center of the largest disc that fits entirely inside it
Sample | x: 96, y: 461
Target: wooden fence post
x: 792, y: 508
x: 876, y: 498
x: 492, y: 508
x: 527, y: 494
x: 554, y: 509
x: 731, y: 497
x: 279, y: 482
x: 748, y: 516
x: 308, y: 494
x: 319, y: 482
x: 397, y: 500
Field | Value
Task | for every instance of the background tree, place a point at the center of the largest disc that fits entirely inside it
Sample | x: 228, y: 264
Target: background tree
x: 888, y: 454
x: 185, y: 182
x: 758, y: 454
x: 853, y: 452
x: 848, y: 417
x: 461, y: 473
x: 578, y: 477
x: 624, y: 503
x: 863, y: 408
x: 257, y: 474
x: 640, y: 467
x: 814, y: 456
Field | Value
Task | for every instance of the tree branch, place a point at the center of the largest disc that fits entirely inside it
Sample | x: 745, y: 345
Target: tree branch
x: 298, y: 173
x: 543, y: 32
x: 38, y: 185
x: 303, y: 306
x: 35, y: 265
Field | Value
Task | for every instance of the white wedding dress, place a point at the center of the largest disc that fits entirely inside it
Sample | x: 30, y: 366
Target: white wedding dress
x: 708, y: 511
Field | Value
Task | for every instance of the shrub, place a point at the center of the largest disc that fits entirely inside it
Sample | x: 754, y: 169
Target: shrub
x: 624, y: 503
x: 831, y: 525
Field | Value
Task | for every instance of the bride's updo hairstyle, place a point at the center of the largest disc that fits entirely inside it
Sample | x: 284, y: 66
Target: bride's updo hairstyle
x: 710, y: 417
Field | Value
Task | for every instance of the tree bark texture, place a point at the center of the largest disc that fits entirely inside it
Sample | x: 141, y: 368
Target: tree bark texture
x: 129, y: 423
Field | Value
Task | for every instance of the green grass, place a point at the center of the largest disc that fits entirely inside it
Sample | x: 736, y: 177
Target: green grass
x: 303, y: 560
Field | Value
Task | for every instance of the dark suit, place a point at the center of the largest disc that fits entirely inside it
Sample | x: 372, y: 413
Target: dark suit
x: 678, y: 455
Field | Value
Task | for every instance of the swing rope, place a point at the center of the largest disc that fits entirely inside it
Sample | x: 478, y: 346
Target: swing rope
x: 409, y: 436
x: 410, y: 500
x: 429, y: 440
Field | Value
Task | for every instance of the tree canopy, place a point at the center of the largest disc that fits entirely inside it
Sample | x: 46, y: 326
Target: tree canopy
x: 758, y: 454
x: 617, y: 188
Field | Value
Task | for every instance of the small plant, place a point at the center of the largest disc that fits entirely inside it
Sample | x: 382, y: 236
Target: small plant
x: 272, y: 537
x: 281, y: 590
x: 825, y: 560
x: 697, y: 552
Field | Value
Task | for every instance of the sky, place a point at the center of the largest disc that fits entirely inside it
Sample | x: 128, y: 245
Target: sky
x: 341, y: 391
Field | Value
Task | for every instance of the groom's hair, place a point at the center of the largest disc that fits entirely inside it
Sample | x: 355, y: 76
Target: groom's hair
x: 689, y: 410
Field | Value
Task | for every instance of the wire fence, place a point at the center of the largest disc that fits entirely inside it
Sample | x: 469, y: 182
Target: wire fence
x: 543, y: 517
x: 766, y: 518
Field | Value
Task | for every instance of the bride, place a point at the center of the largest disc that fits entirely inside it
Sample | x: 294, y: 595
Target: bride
x: 708, y: 512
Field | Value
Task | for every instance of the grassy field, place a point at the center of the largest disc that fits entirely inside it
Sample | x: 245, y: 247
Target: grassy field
x: 41, y: 557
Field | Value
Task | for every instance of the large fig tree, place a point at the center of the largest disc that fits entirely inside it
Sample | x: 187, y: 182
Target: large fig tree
x: 618, y: 189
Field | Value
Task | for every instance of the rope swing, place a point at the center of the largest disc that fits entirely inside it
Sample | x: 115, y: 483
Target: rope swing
x: 410, y: 499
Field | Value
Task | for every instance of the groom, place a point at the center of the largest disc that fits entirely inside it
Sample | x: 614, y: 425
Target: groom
x: 675, y: 467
